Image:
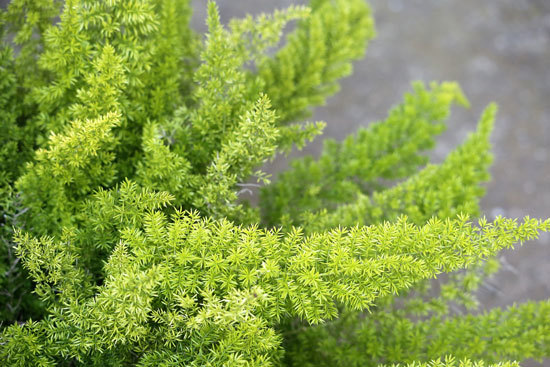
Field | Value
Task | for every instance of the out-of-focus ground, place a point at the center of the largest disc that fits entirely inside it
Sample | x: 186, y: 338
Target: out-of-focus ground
x: 498, y: 50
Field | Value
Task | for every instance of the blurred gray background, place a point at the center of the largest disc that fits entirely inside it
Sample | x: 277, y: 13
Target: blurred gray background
x: 498, y: 50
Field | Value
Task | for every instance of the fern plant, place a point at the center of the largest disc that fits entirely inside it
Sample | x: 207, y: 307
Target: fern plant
x: 128, y: 140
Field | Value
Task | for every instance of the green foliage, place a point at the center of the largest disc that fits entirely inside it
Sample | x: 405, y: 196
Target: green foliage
x: 389, y: 335
x: 21, y: 28
x: 127, y: 239
x: 197, y: 279
x: 305, y: 71
x: 452, y: 362
x: 74, y: 164
x: 387, y: 150
x: 444, y: 191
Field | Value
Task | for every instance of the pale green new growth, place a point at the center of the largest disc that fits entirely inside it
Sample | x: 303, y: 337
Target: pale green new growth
x: 392, y: 334
x: 452, y: 362
x: 250, y: 144
x: 188, y: 275
x: 386, y: 150
x: 444, y: 191
x: 75, y: 164
x: 306, y: 70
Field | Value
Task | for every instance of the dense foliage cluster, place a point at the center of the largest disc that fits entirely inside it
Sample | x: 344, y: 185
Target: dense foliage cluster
x: 129, y: 147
